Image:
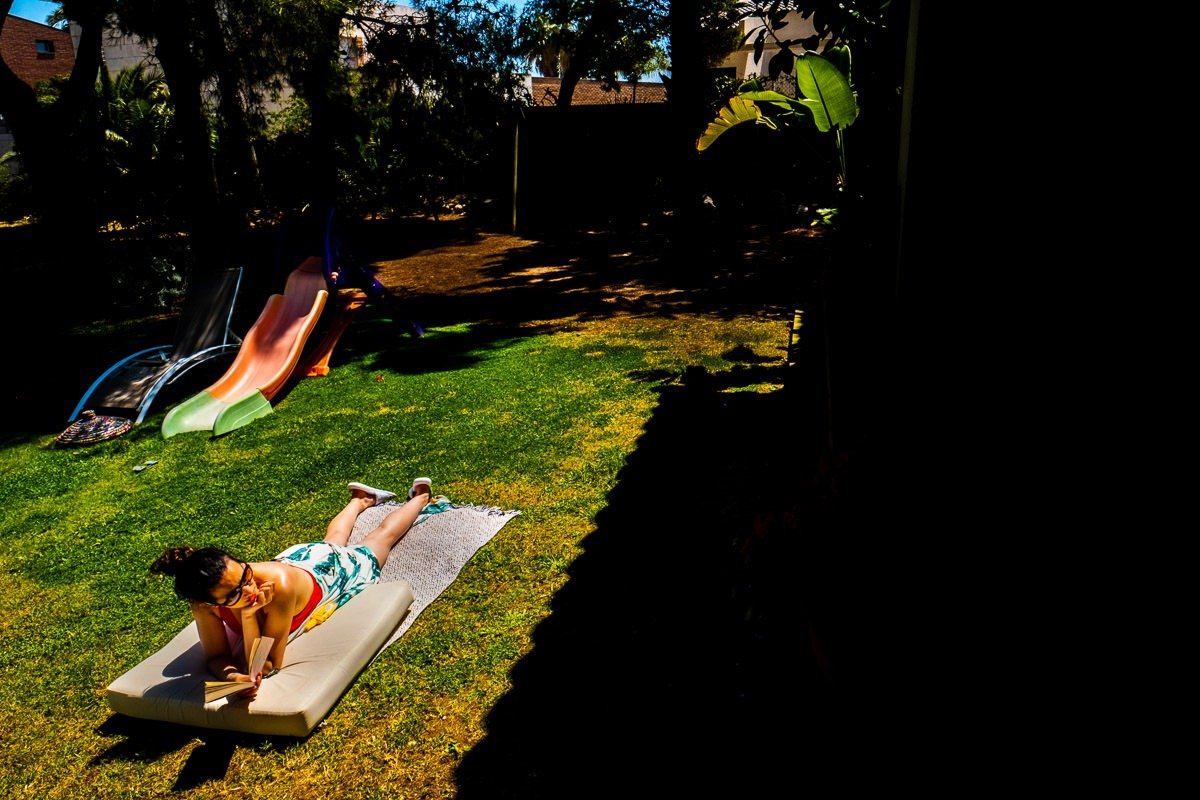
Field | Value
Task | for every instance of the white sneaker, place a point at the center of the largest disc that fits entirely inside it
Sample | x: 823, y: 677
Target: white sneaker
x: 381, y: 495
x: 426, y: 482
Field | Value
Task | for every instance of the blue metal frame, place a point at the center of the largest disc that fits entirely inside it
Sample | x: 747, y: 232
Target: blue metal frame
x: 162, y: 355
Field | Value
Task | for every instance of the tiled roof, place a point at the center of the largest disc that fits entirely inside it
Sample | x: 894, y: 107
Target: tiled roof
x: 591, y: 93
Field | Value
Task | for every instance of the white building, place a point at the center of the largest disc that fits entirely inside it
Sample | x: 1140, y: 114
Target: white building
x: 120, y: 51
x: 742, y: 61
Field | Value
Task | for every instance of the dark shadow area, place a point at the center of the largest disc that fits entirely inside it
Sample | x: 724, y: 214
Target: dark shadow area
x: 142, y: 740
x: 719, y: 633
x: 148, y: 740
x: 625, y: 173
x: 208, y: 762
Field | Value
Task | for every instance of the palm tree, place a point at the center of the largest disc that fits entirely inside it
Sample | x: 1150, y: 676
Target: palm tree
x: 139, y: 140
x: 546, y: 43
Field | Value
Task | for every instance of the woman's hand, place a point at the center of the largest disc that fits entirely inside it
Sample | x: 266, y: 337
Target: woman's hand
x: 252, y: 690
x: 266, y: 593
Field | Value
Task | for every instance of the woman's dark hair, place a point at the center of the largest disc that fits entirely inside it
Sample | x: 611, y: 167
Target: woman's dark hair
x: 196, y: 572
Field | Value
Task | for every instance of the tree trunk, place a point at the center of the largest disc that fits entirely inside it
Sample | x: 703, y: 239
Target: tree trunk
x: 686, y: 99
x: 316, y: 86
x: 237, y: 170
x: 566, y: 87
x: 201, y: 200
x: 314, y: 81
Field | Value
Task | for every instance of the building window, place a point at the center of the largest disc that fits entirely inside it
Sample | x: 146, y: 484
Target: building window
x: 45, y: 48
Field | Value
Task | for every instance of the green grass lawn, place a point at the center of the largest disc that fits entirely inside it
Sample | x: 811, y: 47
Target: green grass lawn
x: 541, y: 420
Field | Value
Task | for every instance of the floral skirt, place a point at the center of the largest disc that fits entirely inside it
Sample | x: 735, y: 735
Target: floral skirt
x: 341, y: 572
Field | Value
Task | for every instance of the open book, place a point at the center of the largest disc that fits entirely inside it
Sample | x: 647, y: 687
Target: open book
x: 214, y: 690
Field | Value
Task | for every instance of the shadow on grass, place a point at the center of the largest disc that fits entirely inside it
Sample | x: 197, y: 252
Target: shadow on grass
x: 596, y: 274
x: 713, y: 637
x: 544, y: 286
x: 147, y: 741
x: 551, y: 286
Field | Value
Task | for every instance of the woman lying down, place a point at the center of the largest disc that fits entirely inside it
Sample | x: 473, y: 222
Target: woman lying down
x: 290, y: 594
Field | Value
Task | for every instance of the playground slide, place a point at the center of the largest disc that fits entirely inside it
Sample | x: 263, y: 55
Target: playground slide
x: 266, y: 359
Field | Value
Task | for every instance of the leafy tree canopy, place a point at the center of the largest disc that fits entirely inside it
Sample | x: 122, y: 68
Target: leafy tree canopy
x: 598, y: 39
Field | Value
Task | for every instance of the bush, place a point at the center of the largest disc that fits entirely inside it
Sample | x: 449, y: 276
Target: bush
x: 16, y: 194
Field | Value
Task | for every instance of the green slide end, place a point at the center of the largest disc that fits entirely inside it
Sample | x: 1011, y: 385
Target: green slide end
x: 242, y: 412
x: 197, y: 413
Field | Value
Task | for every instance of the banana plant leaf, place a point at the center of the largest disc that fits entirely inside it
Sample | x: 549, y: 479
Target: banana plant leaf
x: 774, y: 98
x: 736, y: 113
x: 824, y: 89
x: 827, y: 93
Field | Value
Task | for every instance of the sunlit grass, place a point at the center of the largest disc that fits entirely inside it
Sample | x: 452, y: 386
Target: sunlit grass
x: 541, y: 423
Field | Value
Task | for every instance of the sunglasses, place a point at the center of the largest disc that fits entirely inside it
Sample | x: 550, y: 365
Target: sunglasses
x: 236, y: 594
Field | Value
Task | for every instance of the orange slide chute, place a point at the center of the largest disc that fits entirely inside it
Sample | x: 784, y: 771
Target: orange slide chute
x: 268, y: 356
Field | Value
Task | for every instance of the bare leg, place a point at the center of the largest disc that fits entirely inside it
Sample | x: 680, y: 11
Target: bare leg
x: 395, y: 525
x: 341, y: 526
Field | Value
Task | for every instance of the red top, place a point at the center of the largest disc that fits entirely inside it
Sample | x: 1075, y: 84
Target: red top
x: 235, y: 622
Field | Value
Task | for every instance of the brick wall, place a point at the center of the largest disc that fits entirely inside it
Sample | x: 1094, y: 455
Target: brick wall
x: 34, y: 51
